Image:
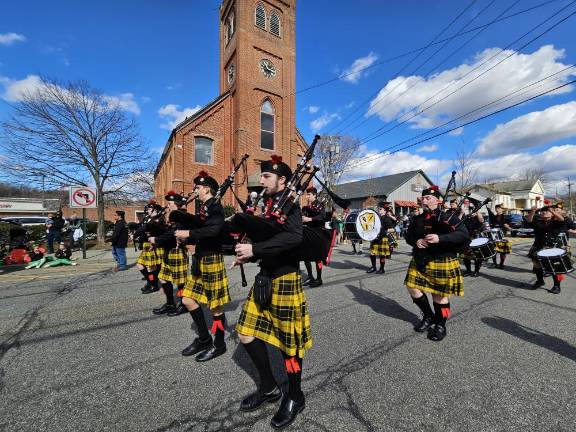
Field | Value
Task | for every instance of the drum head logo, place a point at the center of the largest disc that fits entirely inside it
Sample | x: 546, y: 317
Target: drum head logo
x: 368, y: 225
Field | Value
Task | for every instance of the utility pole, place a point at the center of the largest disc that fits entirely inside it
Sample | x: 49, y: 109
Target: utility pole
x: 570, y: 196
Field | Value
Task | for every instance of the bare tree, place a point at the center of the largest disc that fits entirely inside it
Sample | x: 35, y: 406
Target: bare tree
x: 465, y: 171
x: 334, y: 155
x: 70, y: 134
x: 534, y: 174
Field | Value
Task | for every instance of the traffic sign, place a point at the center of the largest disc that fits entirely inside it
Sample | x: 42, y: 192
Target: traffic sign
x: 83, y: 197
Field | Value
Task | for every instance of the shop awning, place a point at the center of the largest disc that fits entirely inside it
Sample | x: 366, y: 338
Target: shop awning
x: 405, y: 203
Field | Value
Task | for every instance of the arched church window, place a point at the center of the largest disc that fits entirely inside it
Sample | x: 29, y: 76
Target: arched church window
x: 275, y: 24
x: 203, y: 150
x: 267, y: 126
x: 260, y: 17
x: 230, y: 27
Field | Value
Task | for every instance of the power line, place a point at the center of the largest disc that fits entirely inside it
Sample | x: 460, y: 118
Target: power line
x: 381, y: 154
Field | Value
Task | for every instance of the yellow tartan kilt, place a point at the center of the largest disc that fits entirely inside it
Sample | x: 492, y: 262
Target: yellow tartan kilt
x: 211, y: 287
x: 441, y: 276
x: 285, y: 324
x: 380, y: 248
x: 150, y: 256
x: 504, y: 247
x: 175, y: 268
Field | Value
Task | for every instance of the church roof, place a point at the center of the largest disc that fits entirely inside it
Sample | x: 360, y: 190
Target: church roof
x: 377, y: 186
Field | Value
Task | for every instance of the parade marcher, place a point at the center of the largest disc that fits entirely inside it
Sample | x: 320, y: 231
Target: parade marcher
x: 503, y: 247
x: 434, y: 267
x: 150, y: 261
x: 547, y: 225
x: 380, y: 247
x: 313, y: 215
x: 207, y: 282
x: 474, y: 225
x: 175, y: 260
x: 284, y: 322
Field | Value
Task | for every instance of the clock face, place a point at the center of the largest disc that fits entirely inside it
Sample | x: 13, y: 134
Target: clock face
x: 267, y: 68
x: 231, y: 73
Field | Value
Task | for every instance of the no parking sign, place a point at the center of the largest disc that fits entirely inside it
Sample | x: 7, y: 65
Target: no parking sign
x: 83, y: 197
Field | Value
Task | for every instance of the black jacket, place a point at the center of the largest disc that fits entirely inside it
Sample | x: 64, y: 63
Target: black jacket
x: 120, y: 235
x: 316, y: 212
x: 57, y: 224
x: 451, y: 242
x: 207, y: 235
x: 63, y: 253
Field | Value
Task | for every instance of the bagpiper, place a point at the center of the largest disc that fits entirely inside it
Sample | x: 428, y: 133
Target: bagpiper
x: 313, y: 215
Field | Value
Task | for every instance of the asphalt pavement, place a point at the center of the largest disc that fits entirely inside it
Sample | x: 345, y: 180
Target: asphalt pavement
x: 81, y: 351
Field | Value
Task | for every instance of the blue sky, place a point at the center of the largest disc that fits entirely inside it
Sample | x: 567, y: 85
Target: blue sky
x: 160, y: 59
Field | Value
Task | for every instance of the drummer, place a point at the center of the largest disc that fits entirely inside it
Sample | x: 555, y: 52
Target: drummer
x: 503, y: 247
x: 474, y: 225
x: 547, y: 225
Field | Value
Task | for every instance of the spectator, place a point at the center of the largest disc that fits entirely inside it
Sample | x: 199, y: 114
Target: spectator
x: 335, y: 225
x: 119, y: 240
x: 36, y: 258
x: 73, y: 224
x: 62, y: 257
x: 54, y: 225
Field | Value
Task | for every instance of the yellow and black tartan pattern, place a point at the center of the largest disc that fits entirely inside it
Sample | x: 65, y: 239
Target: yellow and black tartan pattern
x: 175, y: 268
x: 285, y: 323
x: 441, y: 276
x: 394, y: 243
x: 150, y: 256
x: 380, y: 248
x: 503, y: 246
x: 211, y: 287
x: 467, y: 254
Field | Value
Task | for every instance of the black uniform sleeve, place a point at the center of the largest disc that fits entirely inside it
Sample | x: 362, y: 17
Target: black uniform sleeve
x: 212, y: 227
x: 166, y: 240
x: 410, y: 235
x: 289, y: 238
x: 320, y: 217
x: 456, y: 238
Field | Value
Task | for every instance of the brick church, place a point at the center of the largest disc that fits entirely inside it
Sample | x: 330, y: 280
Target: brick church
x: 255, y: 112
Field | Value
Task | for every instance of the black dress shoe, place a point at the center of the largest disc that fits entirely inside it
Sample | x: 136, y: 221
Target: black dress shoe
x: 466, y: 273
x: 150, y: 290
x: 475, y: 274
x: 287, y: 412
x: 538, y: 284
x: 315, y: 283
x: 371, y: 270
x: 501, y: 266
x: 197, y: 346
x: 255, y: 400
x: 145, y: 288
x: 555, y: 289
x: 164, y: 309
x: 180, y: 309
x: 210, y: 353
x: 424, y: 324
x: 307, y: 281
x: 381, y: 271
x: 437, y: 332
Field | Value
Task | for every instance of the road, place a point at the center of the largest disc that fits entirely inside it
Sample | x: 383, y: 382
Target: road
x: 81, y: 351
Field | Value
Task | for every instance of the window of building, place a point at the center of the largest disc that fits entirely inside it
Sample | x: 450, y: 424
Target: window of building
x: 230, y: 27
x: 275, y: 24
x: 203, y: 150
x: 267, y: 126
x: 260, y: 17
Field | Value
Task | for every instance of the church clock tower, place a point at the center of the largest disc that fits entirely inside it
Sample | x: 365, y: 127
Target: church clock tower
x: 258, y: 68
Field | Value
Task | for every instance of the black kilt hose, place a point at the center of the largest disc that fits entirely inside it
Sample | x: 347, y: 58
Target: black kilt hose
x: 380, y: 248
x: 285, y: 324
x: 175, y: 267
x: 211, y: 286
x: 150, y: 256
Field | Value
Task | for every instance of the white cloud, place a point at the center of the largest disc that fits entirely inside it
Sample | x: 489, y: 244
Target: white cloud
x: 358, y: 68
x: 428, y: 148
x: 312, y: 109
x: 125, y: 102
x: 11, y: 38
x: 15, y: 91
x: 173, y: 115
x: 323, y: 121
x: 392, y: 164
x: 175, y: 86
x: 516, y: 72
x: 531, y: 130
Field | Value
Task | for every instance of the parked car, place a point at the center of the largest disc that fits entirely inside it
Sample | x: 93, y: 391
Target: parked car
x: 519, y: 226
x: 27, y: 220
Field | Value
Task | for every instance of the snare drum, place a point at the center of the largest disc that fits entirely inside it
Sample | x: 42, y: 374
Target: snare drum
x: 482, y: 248
x: 555, y: 261
x: 495, y: 234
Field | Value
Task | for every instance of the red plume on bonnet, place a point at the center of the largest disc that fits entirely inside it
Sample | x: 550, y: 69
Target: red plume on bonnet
x: 434, y: 187
x: 203, y: 174
x: 276, y: 158
x: 171, y: 192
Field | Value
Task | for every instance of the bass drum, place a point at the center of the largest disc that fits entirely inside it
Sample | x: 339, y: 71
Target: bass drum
x: 350, y: 226
x: 363, y: 225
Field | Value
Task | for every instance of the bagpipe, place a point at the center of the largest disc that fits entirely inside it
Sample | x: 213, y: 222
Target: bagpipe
x: 316, y: 241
